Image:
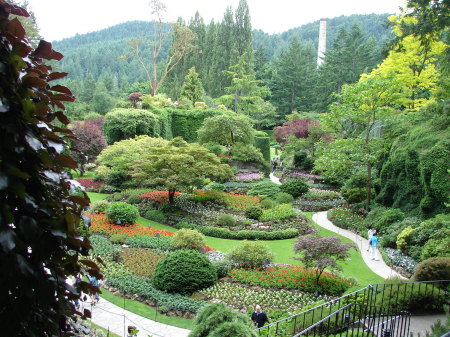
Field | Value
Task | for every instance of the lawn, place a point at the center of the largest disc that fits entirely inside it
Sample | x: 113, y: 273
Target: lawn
x: 146, y: 311
x: 105, y: 331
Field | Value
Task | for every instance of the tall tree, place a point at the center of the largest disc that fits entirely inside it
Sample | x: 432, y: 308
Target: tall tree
x: 293, y: 79
x: 182, y: 38
x: 192, y: 89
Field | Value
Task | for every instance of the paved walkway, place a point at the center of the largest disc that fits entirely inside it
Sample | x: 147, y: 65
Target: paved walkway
x: 378, y: 267
x: 116, y: 319
x: 274, y: 179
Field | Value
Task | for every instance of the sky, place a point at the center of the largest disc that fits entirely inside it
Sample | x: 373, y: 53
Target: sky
x: 59, y: 19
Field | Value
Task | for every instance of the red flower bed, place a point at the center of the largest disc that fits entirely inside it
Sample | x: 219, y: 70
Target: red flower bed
x: 158, y: 196
x: 241, y: 202
x: 292, y: 277
x: 223, y: 155
x: 90, y: 183
x: 100, y: 224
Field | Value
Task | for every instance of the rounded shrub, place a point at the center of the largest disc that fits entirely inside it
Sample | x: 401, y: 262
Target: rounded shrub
x: 226, y: 220
x: 155, y: 215
x: 211, y: 317
x: 266, y: 188
x: 122, y: 213
x: 184, y: 271
x: 268, y: 203
x: 116, y: 178
x: 118, y: 238
x: 134, y: 198
x: 250, y: 254
x: 295, y: 187
x: 437, y: 247
x: 284, y: 198
x: 100, y: 206
x: 433, y: 269
x: 254, y: 212
x: 188, y: 239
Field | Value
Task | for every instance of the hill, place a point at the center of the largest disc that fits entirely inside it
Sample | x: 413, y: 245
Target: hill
x: 100, y: 53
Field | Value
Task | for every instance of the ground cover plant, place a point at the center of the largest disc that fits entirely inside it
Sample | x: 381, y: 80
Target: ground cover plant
x: 141, y: 262
x: 240, y: 296
x: 401, y: 260
x: 346, y: 218
x: 292, y: 277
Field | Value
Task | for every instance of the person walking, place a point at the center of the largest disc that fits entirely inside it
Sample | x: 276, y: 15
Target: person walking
x: 374, y: 247
x: 94, y: 295
x: 259, y: 317
x: 370, y: 233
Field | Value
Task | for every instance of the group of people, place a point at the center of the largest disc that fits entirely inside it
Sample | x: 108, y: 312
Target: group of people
x: 75, y: 281
x: 373, y: 243
x: 276, y: 163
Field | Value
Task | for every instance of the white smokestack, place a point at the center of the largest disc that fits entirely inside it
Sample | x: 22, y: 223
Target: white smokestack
x: 322, y: 42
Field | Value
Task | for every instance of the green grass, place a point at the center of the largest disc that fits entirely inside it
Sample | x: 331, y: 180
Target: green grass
x: 87, y: 174
x: 96, y: 196
x: 146, y: 311
x: 105, y: 331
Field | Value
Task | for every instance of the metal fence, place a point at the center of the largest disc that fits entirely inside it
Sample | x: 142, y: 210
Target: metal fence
x: 381, y: 310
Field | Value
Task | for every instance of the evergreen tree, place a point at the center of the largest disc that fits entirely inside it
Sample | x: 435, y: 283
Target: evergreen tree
x: 293, y: 78
x: 192, y: 87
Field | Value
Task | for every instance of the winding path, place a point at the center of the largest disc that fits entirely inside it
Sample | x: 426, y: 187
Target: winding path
x: 379, y: 267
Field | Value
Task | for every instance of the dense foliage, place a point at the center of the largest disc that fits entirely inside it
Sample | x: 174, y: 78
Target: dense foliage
x: 39, y: 246
x: 184, y: 271
x: 122, y: 213
x: 250, y: 254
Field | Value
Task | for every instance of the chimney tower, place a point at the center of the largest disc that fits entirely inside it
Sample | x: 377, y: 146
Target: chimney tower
x: 322, y: 42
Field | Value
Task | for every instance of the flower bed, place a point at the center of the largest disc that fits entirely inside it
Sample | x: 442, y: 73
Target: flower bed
x: 241, y: 202
x: 90, y: 184
x: 317, y: 194
x: 318, y: 205
x: 344, y: 217
x: 247, y: 177
x: 158, y: 196
x: 401, y: 260
x: 292, y: 277
x: 100, y: 224
x: 242, y: 297
x: 300, y: 175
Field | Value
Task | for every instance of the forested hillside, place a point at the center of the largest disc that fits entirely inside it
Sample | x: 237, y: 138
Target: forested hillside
x: 100, y: 53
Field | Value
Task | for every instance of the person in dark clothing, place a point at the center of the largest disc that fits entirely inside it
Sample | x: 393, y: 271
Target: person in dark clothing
x: 259, y: 317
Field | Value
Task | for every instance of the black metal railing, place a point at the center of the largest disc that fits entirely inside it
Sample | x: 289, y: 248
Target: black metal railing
x: 381, y: 310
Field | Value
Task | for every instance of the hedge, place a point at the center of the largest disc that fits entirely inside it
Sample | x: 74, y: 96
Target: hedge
x: 122, y: 124
x: 165, y: 121
x: 185, y: 123
x: 143, y: 286
x: 263, y: 144
x: 225, y: 233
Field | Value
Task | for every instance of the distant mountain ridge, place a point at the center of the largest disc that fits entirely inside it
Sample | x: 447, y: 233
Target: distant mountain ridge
x: 100, y: 53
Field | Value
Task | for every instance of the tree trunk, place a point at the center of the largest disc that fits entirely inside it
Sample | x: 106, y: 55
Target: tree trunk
x: 171, y: 196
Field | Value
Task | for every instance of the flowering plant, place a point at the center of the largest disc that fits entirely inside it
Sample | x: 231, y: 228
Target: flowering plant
x: 159, y: 196
x: 247, y: 177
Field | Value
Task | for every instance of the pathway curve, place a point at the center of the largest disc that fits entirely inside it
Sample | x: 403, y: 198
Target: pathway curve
x: 117, y: 319
x: 379, y: 267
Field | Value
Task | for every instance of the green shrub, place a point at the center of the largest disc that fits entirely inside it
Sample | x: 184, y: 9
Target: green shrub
x: 213, y: 195
x: 121, y: 124
x: 389, y: 217
x: 389, y: 238
x: 116, y: 178
x: 439, y: 247
x: 226, y: 220
x: 156, y: 216
x: 118, y: 238
x: 354, y: 195
x: 218, y: 187
x: 249, y: 254
x: 404, y: 238
x: 122, y: 212
x: 103, y: 248
x: 100, y: 206
x: 302, y: 161
x: 278, y: 212
x: 284, y: 198
x: 419, y: 298
x: 268, y: 203
x: 222, y: 268
x: 295, y: 187
x: 266, y: 188
x: 184, y: 271
x: 134, y: 198
x: 433, y: 269
x: 217, y: 149
x: 213, y: 320
x: 254, y: 212
x: 188, y: 239
x: 262, y: 142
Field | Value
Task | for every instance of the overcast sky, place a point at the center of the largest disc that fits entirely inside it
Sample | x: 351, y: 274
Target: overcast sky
x: 58, y: 19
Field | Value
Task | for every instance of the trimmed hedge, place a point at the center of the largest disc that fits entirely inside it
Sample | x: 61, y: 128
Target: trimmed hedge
x: 122, y: 124
x: 185, y: 123
x: 225, y: 233
x: 162, y: 243
x: 263, y: 144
